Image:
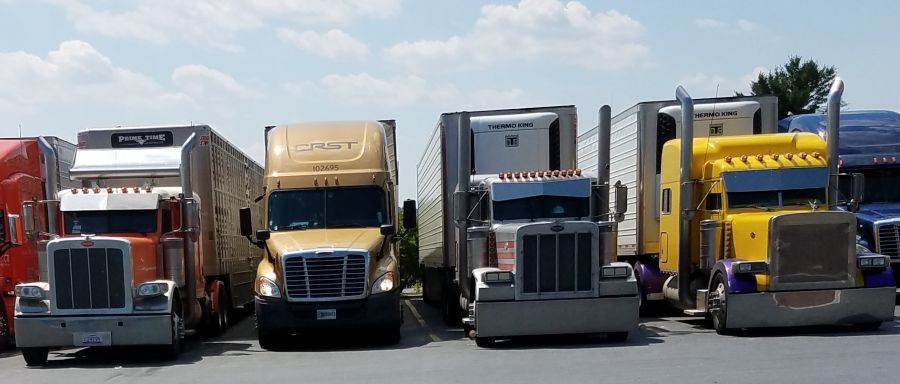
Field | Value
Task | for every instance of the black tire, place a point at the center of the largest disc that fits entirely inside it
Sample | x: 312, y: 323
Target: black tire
x: 220, y: 320
x: 267, y: 340
x: 173, y: 350
x: 484, y: 342
x: 35, y: 356
x: 644, y: 307
x: 390, y: 335
x: 717, y: 304
x: 5, y: 336
x: 450, y: 304
x: 617, y: 337
x: 868, y: 327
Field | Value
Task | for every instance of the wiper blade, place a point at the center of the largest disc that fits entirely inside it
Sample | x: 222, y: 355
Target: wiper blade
x: 347, y: 225
x: 294, y: 227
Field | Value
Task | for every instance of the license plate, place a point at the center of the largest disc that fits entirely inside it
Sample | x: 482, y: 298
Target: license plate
x: 88, y: 339
x: 326, y: 314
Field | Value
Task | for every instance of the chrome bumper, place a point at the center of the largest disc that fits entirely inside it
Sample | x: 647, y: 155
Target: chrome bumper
x: 62, y: 331
x: 554, y: 317
x: 802, y: 308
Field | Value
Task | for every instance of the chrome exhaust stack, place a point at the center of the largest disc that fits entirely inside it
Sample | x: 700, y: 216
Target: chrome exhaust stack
x: 686, y: 202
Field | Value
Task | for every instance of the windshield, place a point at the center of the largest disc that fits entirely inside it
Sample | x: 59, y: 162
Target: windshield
x: 773, y: 188
x: 541, y: 207
x: 346, y: 207
x: 881, y: 185
x: 98, y: 222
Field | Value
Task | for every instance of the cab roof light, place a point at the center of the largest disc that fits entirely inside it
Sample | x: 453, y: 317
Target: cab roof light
x: 96, y: 189
x: 789, y: 155
x: 803, y: 155
x: 556, y: 173
x: 816, y: 155
x: 570, y: 172
x: 884, y: 159
x: 840, y: 163
x: 84, y: 190
x: 744, y: 158
x: 775, y: 156
x: 124, y: 189
x: 759, y: 158
x: 517, y: 174
x: 148, y: 188
x: 874, y: 160
x: 136, y: 190
x: 502, y: 176
x: 74, y: 191
x: 728, y: 159
x: 577, y: 171
x: 109, y: 190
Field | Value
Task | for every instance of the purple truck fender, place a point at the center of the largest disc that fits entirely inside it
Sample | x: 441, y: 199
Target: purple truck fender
x: 651, y: 278
x: 736, y: 283
x: 879, y: 278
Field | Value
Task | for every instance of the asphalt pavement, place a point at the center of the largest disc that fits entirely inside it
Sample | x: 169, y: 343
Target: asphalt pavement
x: 668, y: 348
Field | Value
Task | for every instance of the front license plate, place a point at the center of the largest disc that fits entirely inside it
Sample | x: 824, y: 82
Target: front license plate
x: 326, y: 314
x: 89, y: 339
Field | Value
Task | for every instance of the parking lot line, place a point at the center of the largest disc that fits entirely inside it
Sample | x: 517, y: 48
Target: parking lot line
x: 415, y: 313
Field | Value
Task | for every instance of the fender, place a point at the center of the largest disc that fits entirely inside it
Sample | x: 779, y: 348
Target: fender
x: 157, y: 304
x: 736, y: 283
x: 651, y: 279
x: 477, y: 274
x: 876, y: 278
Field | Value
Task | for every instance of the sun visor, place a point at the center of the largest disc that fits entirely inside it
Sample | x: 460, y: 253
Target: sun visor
x: 109, y: 202
x: 125, y: 163
x: 503, y: 191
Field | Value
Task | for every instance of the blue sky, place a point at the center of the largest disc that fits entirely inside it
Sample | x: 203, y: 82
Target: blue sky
x: 241, y: 65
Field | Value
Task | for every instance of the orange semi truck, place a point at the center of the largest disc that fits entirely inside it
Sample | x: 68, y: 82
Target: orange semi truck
x: 30, y: 169
x: 147, y: 250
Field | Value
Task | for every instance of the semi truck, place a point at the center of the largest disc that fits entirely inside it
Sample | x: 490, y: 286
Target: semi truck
x: 870, y: 145
x: 747, y: 233
x: 31, y: 168
x: 513, y: 240
x: 147, y: 250
x: 330, y: 235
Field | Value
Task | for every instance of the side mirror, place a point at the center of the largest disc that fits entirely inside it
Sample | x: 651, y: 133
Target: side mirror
x: 263, y: 234
x: 857, y: 191
x: 246, y: 222
x: 388, y: 230
x: 190, y: 214
x: 409, y: 214
x: 621, y: 200
x: 28, y: 220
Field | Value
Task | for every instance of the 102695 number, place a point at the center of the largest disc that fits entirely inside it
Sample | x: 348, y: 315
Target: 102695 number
x: 325, y: 168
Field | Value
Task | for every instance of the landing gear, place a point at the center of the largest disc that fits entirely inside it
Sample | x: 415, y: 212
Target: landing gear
x: 717, y: 303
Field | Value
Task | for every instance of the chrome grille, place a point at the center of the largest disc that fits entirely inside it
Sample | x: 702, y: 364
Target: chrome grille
x: 812, y: 251
x: 89, y: 278
x: 325, y: 277
x: 556, y: 263
x: 888, y: 240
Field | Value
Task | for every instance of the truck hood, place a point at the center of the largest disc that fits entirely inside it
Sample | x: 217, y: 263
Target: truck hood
x: 292, y: 241
x: 873, y: 212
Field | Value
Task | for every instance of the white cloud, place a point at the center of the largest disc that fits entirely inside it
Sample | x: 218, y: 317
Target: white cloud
x: 533, y: 30
x: 403, y: 91
x: 333, y: 44
x: 212, y: 22
x: 741, y: 25
x: 708, y: 85
x: 202, y: 82
x: 76, y: 72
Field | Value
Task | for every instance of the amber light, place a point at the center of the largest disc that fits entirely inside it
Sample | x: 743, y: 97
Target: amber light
x: 789, y: 155
x: 803, y: 155
x: 744, y: 158
x: 759, y: 157
x: 728, y: 159
x: 816, y: 154
x: 578, y: 172
x: 775, y: 156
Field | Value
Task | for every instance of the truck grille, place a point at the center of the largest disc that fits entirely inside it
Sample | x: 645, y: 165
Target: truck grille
x: 811, y: 255
x: 556, y: 263
x: 325, y: 277
x: 889, y: 240
x: 89, y: 278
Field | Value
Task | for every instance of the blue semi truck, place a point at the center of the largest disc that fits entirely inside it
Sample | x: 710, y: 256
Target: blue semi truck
x: 870, y: 145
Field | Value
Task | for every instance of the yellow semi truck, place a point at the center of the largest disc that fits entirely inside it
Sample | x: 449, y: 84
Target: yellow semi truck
x: 330, y: 250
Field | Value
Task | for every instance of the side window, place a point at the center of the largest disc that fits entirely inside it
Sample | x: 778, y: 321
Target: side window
x: 166, y: 218
x: 714, y: 202
x: 666, y: 204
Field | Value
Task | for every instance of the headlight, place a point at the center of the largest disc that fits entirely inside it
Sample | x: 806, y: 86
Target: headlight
x: 750, y: 267
x: 384, y: 283
x: 151, y: 289
x: 267, y: 288
x: 614, y: 271
x: 33, y: 291
x: 497, y: 277
x: 877, y: 261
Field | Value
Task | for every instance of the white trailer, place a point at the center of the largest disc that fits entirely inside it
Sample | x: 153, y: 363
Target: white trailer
x: 637, y: 137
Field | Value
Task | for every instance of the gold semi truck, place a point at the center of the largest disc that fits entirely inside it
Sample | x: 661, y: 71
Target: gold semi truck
x: 330, y: 250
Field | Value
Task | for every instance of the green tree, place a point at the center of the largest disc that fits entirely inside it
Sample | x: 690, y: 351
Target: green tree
x: 410, y: 273
x: 801, y: 86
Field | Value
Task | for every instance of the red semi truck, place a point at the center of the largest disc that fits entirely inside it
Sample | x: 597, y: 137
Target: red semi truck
x: 25, y: 164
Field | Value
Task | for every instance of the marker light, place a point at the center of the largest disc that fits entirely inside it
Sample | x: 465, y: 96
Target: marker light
x: 532, y: 174
x: 775, y: 156
x: 517, y: 174
x: 109, y: 190
x: 570, y: 172
x: 613, y: 272
x: 789, y: 155
x: 874, y: 160
x: 96, y: 189
x: 803, y: 155
x: 124, y: 189
x: 502, y: 176
x: 817, y: 155
x: 874, y: 261
x: 728, y: 159
x: 759, y: 158
x: 884, y: 159
x: 749, y: 267
x: 136, y: 190
x: 555, y: 173
x: 84, y: 190
x: 744, y: 158
x: 893, y: 159
x: 577, y: 171
x: 497, y: 277
x: 74, y: 191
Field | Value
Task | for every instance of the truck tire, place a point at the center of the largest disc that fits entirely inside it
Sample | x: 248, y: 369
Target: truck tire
x: 219, y: 319
x: 5, y: 336
x: 267, y: 340
x: 868, y: 327
x: 35, y: 356
x: 173, y: 350
x: 390, y: 334
x: 719, y: 311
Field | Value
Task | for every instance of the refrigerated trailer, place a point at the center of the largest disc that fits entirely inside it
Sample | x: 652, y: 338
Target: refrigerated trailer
x: 511, y: 238
x: 148, y: 249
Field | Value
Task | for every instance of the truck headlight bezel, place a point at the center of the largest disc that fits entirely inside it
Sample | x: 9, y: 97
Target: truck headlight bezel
x: 614, y: 271
x: 265, y: 287
x: 872, y: 262
x: 384, y: 283
x: 750, y: 267
x: 33, y: 291
x: 151, y: 289
x: 497, y: 277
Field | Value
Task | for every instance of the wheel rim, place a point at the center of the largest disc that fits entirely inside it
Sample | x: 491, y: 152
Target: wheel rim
x: 717, y: 304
